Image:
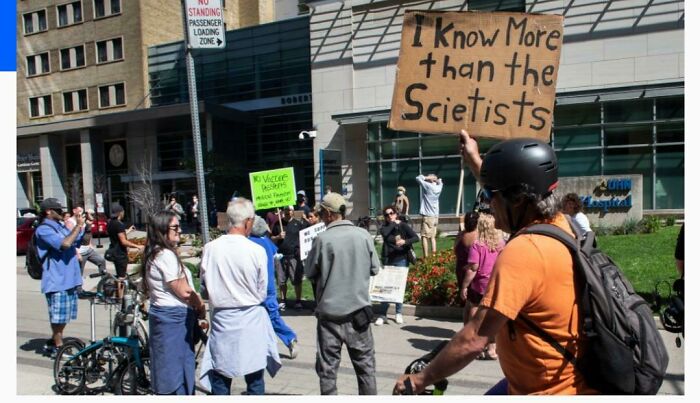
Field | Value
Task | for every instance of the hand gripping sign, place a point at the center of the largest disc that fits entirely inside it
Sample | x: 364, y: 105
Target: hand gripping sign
x: 493, y: 74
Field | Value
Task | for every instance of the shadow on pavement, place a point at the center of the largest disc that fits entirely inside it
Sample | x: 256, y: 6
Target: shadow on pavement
x: 36, y: 345
x: 430, y: 331
x: 425, y: 345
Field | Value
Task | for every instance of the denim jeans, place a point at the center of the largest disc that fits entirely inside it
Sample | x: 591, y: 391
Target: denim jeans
x: 221, y: 385
x: 500, y: 388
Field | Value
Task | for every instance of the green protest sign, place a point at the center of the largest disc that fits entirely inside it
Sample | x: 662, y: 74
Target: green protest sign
x: 273, y: 188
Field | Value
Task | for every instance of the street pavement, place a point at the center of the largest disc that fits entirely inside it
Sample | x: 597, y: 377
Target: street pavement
x: 396, y: 346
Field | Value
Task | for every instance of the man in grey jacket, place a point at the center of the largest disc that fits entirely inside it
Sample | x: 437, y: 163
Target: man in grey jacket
x: 340, y: 262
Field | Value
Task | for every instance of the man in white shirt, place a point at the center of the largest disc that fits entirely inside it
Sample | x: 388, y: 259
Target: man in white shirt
x: 242, y: 340
x: 430, y: 189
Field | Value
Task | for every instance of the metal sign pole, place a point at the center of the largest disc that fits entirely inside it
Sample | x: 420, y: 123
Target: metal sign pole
x: 196, y: 135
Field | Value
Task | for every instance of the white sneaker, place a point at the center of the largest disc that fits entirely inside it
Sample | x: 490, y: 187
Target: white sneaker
x: 399, y: 319
x: 293, y: 351
x: 379, y: 321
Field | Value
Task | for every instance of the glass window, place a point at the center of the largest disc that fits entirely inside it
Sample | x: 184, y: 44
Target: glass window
x: 579, y: 163
x: 670, y: 132
x: 109, y: 50
x: 38, y: 64
x: 69, y: 14
x: 628, y: 111
x: 40, y: 106
x: 112, y: 95
x: 615, y: 136
x: 435, y: 146
x: 625, y: 161
x: 576, y: 114
x: 670, y: 164
x: 670, y: 108
x: 75, y: 101
x: 105, y: 8
x: 576, y: 137
x: 72, y: 58
x: 399, y: 149
x: 35, y: 22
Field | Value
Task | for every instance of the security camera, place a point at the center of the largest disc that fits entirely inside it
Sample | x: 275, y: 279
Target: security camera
x: 310, y: 133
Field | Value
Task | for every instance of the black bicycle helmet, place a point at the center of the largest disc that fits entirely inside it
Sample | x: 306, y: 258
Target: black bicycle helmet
x: 517, y: 162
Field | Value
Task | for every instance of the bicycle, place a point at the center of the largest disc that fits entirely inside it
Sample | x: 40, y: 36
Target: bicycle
x: 371, y: 224
x: 115, y: 363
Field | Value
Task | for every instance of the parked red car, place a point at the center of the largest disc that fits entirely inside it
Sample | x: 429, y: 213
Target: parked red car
x: 25, y: 231
x: 99, y: 226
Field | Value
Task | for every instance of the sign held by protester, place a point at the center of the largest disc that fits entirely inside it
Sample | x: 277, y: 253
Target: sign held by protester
x: 273, y: 188
x: 389, y: 285
x: 494, y: 74
x: 306, y: 238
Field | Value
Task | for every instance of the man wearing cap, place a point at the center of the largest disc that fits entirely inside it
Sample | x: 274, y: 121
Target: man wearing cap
x: 341, y: 261
x: 430, y: 189
x: 60, y: 280
x: 533, y: 278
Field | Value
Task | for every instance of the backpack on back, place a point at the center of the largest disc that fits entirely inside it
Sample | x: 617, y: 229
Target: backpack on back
x: 33, y: 263
x: 625, y: 353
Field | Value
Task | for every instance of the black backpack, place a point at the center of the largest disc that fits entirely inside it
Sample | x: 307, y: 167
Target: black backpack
x: 33, y: 263
x: 625, y: 352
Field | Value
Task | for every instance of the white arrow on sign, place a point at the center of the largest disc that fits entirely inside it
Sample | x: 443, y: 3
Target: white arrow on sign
x: 205, y: 24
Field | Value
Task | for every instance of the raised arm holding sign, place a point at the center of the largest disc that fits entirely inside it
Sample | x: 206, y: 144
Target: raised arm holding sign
x: 491, y: 73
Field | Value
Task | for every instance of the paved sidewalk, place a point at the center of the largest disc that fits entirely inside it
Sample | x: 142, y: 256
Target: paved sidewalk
x: 396, y: 346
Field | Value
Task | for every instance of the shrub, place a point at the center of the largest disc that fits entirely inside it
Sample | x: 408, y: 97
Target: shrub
x: 670, y: 221
x: 432, y: 281
x: 194, y: 268
x: 630, y: 226
x: 650, y: 224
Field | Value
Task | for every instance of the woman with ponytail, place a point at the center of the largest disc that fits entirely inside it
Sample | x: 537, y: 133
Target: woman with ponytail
x: 175, y: 307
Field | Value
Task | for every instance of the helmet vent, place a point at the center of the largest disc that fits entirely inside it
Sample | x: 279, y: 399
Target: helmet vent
x: 548, y: 166
x: 530, y: 145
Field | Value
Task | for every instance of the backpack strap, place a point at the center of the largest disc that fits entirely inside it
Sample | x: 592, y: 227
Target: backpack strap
x: 575, y: 245
x: 549, y: 339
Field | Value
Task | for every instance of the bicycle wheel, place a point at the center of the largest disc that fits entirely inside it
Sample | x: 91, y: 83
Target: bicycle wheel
x: 69, y: 370
x: 134, y: 379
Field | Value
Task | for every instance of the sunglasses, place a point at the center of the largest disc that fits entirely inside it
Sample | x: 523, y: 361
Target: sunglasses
x: 389, y: 213
x: 488, y: 194
x: 174, y: 227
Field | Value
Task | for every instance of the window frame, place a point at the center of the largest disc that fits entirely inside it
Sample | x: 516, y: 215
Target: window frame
x: 82, y: 14
x: 46, y: 17
x: 29, y: 106
x: 76, y: 110
x: 97, y: 53
x: 99, y: 95
x: 60, y: 58
x: 107, y: 14
x: 26, y: 66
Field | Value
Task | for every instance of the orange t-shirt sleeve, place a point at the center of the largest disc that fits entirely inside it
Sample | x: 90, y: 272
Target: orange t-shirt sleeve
x: 516, y: 279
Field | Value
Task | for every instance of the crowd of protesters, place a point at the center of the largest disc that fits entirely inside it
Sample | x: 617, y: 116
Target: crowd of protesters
x: 243, y: 270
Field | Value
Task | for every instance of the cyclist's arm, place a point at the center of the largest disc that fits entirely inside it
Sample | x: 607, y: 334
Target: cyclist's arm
x: 125, y: 242
x: 459, y: 352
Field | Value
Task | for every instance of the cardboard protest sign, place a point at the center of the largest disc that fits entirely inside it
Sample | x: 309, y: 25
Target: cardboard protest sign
x: 389, y: 285
x: 306, y: 238
x: 273, y: 188
x: 493, y: 74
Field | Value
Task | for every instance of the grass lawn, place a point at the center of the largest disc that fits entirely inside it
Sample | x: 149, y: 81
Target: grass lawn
x: 645, y: 259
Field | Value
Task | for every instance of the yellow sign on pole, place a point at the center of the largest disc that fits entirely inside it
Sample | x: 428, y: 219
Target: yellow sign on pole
x: 273, y: 188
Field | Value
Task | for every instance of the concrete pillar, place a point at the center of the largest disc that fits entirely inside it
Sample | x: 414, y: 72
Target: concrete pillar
x: 50, y: 153
x: 23, y: 198
x: 88, y: 169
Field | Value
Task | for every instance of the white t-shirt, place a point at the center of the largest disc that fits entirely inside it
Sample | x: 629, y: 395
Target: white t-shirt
x: 582, y: 221
x: 164, y: 270
x: 234, y: 270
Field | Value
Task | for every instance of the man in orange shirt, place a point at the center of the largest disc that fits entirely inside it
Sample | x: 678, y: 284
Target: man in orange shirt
x: 533, y: 277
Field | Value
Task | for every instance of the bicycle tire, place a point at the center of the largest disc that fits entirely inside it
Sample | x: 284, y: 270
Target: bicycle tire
x: 69, y: 377
x: 125, y: 380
